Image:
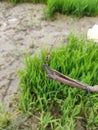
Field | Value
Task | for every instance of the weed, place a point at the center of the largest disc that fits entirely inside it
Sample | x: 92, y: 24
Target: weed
x: 73, y: 7
x: 60, y: 105
x: 4, y: 118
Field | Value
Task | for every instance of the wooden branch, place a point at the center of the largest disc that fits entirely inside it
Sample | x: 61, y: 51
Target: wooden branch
x: 55, y: 75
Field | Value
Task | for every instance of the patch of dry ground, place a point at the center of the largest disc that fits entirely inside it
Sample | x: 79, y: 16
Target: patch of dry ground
x: 23, y: 28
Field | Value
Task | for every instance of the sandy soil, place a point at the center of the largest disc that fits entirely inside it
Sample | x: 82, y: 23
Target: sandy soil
x: 23, y: 28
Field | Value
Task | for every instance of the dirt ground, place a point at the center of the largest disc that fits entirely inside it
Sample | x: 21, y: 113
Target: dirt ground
x: 23, y: 28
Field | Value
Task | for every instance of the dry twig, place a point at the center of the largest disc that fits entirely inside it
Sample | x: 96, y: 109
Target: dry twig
x: 55, y: 75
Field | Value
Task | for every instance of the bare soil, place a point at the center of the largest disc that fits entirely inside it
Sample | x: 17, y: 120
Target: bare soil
x: 23, y: 28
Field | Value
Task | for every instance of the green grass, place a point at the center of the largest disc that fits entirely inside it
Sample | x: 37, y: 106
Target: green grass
x: 73, y: 7
x: 58, y: 106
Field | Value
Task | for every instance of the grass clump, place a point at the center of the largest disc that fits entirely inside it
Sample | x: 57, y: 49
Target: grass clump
x: 73, y: 7
x: 59, y: 106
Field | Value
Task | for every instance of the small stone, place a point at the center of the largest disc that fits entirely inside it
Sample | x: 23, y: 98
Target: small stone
x: 92, y: 33
x: 12, y: 20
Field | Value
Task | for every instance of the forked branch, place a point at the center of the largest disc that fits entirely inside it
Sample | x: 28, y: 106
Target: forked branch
x: 55, y: 75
